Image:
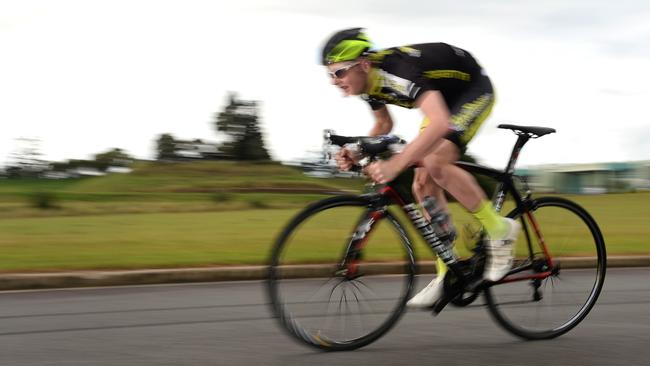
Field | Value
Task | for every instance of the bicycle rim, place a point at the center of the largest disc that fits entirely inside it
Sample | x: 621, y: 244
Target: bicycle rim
x: 323, y: 309
x: 553, y: 305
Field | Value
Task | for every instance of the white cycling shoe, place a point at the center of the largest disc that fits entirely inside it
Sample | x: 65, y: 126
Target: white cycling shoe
x: 500, y: 252
x: 429, y: 295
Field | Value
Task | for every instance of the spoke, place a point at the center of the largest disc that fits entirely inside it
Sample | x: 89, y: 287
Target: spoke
x: 328, y: 320
x: 320, y: 288
x: 334, y: 289
x: 358, y: 308
x: 372, y: 310
x: 367, y: 287
x: 327, y: 324
x: 342, y: 318
x: 345, y: 298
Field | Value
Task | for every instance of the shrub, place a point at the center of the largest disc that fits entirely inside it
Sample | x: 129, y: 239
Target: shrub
x: 259, y: 204
x: 43, y: 200
x: 220, y: 197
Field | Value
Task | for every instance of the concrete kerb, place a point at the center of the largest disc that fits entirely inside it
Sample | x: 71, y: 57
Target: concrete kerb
x: 23, y: 281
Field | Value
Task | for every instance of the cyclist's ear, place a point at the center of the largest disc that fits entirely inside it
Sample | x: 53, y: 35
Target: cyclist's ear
x: 366, y: 65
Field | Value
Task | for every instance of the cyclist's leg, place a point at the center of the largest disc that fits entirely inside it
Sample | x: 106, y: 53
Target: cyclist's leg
x: 467, y: 116
x: 424, y: 186
x: 459, y: 183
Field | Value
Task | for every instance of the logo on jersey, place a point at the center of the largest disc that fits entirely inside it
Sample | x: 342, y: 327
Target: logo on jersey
x: 399, y: 87
x: 410, y: 51
x: 458, y: 51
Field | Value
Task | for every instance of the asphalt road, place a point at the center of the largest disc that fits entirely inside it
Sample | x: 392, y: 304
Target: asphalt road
x: 230, y: 324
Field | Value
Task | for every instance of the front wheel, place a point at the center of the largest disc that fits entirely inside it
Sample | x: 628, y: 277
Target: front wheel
x: 340, y: 274
x: 546, y: 299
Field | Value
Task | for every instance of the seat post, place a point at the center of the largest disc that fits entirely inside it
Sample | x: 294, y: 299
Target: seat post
x: 521, y: 141
x: 525, y: 133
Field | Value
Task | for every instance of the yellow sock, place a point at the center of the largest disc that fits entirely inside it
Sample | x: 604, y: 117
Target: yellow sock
x: 441, y: 266
x: 490, y: 219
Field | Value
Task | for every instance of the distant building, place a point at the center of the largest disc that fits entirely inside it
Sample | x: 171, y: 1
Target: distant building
x: 119, y: 169
x: 589, y: 178
x: 57, y: 175
x: 196, y: 149
x: 86, y: 172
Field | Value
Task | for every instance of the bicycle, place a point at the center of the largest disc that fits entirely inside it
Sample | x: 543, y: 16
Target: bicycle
x: 353, y: 304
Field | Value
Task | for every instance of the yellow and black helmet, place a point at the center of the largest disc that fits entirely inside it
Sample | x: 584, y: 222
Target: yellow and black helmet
x: 345, y: 45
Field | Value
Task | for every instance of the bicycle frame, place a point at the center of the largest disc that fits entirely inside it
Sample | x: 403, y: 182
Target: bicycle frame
x: 462, y: 284
x: 507, y: 185
x: 399, y: 192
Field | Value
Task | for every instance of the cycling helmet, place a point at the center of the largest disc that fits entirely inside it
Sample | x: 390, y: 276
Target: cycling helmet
x: 345, y: 45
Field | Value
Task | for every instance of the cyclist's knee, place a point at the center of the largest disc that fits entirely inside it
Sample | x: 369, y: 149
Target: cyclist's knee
x: 440, y: 172
x: 435, y: 166
x: 418, y: 188
x: 422, y: 183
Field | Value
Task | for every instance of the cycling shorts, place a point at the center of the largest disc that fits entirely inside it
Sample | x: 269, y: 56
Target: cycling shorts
x: 468, y: 112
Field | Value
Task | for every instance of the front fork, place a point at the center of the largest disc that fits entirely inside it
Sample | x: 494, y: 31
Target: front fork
x: 349, y: 265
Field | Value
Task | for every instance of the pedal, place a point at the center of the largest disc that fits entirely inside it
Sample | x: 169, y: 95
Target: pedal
x: 477, y: 285
x: 442, y: 302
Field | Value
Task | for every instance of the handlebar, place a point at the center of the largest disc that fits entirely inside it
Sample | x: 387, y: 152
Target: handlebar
x: 368, y: 147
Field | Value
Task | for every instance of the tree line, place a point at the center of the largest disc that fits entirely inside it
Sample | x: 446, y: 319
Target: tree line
x: 237, y: 125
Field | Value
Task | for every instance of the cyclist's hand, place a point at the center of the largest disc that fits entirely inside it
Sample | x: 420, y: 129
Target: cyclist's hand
x: 345, y: 159
x: 383, y: 171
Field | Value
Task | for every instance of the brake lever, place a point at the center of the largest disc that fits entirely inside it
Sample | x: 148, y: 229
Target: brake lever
x: 327, y: 144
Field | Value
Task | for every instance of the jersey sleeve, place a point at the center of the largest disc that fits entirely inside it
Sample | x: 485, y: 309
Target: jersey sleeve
x: 411, y: 68
x: 424, y: 85
x: 421, y: 82
x: 376, y: 104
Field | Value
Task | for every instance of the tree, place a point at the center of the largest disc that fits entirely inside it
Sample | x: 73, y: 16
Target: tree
x: 27, y: 160
x: 113, y: 157
x: 239, y: 121
x: 165, y: 147
x: 169, y: 148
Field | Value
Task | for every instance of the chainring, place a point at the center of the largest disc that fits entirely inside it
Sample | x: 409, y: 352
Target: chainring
x: 472, y: 269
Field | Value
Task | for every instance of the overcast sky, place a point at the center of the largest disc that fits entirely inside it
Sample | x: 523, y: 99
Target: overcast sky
x: 84, y: 76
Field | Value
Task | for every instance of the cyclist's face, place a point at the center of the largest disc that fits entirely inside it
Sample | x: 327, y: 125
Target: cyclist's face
x: 351, y: 76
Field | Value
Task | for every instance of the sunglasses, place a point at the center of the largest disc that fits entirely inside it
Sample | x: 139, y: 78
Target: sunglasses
x: 340, y: 72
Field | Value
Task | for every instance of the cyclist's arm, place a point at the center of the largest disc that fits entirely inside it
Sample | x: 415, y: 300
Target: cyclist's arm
x: 383, y: 125
x: 432, y: 104
x: 383, y: 122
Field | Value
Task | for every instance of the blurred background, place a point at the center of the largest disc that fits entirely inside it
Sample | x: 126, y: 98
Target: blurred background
x: 139, y: 134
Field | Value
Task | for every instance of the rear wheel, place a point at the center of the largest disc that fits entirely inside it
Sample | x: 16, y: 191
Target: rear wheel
x: 314, y: 295
x: 551, y: 305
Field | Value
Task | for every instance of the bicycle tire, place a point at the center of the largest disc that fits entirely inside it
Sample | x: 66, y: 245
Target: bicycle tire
x: 564, y: 213
x: 285, y: 311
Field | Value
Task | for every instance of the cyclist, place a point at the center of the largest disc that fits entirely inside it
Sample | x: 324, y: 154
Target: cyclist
x: 455, y: 96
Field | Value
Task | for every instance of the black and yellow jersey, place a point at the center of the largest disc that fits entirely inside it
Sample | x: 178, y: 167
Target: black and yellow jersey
x: 401, y: 74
